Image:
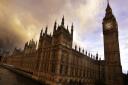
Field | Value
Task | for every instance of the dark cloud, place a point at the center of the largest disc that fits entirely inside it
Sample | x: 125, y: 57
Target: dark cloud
x: 8, y: 38
x: 19, y: 19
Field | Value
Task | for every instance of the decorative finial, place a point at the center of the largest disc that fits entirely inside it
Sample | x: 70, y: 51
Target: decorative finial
x: 86, y: 53
x: 83, y: 50
x: 72, y: 29
x: 108, y: 1
x: 55, y: 26
x: 41, y: 32
x: 72, y: 26
x: 75, y: 47
x: 108, y: 9
x: 97, y: 56
x: 46, y: 29
x: 62, y: 23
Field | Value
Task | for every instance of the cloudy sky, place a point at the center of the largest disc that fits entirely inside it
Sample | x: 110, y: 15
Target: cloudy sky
x: 22, y: 20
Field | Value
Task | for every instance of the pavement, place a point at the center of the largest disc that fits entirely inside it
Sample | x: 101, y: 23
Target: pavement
x: 8, y: 77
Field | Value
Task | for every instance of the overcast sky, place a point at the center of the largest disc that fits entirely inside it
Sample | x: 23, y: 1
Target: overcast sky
x: 22, y: 20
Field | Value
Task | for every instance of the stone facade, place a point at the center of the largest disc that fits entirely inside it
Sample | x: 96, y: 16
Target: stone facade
x: 113, y: 68
x: 55, y: 62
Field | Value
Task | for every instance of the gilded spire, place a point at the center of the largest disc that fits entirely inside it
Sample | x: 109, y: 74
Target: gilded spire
x: 108, y: 2
x: 108, y: 5
x: 108, y: 9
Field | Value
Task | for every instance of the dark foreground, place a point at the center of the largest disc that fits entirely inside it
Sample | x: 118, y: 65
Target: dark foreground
x: 8, y: 77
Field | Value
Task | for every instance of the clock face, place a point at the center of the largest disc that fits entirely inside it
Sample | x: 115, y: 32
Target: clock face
x: 108, y: 25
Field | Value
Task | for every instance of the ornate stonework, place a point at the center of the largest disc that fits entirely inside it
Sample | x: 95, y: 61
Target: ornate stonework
x: 113, y: 68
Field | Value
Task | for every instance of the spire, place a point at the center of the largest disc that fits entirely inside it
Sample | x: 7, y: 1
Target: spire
x: 55, y: 26
x: 67, y: 28
x: 83, y: 50
x: 26, y: 44
x: 79, y: 49
x: 97, y: 56
x: 62, y: 23
x: 108, y: 9
x: 72, y: 26
x: 86, y: 53
x: 108, y: 5
x: 46, y: 29
x: 108, y: 2
x: 41, y: 32
x: 72, y: 29
x: 75, y: 47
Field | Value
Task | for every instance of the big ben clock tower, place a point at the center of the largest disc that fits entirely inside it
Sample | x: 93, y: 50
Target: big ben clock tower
x: 113, y: 68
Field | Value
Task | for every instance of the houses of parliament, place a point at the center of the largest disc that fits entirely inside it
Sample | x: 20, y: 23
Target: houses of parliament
x: 55, y: 62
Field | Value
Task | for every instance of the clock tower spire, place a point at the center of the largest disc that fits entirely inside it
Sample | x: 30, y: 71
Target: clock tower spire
x: 113, y: 68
